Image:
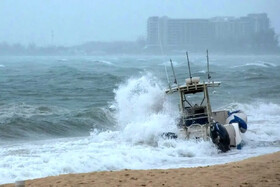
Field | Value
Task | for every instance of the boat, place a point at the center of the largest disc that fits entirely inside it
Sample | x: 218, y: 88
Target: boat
x: 197, y: 121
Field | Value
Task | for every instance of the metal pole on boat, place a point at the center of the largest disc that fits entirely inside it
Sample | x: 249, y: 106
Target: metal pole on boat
x: 178, y: 87
x: 175, y: 80
x: 208, y: 106
x: 167, y: 78
x: 189, y: 66
x: 209, y: 77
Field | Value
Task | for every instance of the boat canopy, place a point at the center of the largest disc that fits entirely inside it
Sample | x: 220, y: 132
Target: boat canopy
x: 193, y: 88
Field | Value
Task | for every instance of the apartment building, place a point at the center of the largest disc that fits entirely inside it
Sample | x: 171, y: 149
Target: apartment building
x: 168, y: 33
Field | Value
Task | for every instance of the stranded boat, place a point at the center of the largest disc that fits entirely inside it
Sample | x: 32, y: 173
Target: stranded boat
x: 198, y: 121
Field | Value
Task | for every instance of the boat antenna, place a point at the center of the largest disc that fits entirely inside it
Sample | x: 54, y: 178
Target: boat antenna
x: 167, y: 78
x: 178, y: 87
x: 175, y: 80
x: 209, y: 77
x: 189, y: 66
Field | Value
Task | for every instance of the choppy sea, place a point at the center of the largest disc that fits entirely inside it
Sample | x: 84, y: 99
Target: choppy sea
x: 63, y: 115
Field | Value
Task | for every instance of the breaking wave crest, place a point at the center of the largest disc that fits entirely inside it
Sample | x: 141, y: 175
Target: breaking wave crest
x: 142, y: 110
x: 21, y: 121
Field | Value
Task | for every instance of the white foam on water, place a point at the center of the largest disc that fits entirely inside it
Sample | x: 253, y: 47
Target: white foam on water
x: 268, y: 63
x: 62, y: 60
x: 263, y: 122
x: 259, y: 64
x: 143, y: 113
x: 202, y: 71
x: 167, y: 63
x: 106, y: 62
x: 27, y: 111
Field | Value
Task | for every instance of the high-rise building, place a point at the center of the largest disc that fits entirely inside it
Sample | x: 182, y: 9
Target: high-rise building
x: 167, y: 33
x: 177, y: 33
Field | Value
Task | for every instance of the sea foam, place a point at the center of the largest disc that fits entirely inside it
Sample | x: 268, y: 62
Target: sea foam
x: 142, y: 112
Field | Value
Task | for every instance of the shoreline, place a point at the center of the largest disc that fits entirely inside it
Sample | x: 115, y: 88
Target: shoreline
x: 255, y: 171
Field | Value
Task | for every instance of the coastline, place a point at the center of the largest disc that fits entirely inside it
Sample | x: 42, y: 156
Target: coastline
x: 256, y: 171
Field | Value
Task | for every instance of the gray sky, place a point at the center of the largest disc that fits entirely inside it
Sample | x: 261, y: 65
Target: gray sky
x: 77, y: 21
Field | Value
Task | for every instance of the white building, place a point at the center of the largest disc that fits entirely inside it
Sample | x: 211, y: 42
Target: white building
x: 167, y: 33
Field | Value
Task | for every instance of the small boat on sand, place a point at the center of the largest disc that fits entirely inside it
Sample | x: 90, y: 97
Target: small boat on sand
x: 198, y: 121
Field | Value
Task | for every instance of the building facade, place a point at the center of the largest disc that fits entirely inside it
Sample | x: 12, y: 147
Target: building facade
x: 219, y: 32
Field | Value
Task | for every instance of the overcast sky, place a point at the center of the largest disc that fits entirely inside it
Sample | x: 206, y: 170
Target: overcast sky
x: 77, y: 21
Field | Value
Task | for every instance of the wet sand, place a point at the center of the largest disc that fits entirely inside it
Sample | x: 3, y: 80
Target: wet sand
x: 257, y: 171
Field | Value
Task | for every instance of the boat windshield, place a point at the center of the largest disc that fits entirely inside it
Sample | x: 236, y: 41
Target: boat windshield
x: 191, y: 100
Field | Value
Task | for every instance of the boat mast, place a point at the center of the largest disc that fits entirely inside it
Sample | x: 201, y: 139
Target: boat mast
x: 189, y: 66
x: 209, y: 77
x: 168, y: 81
x: 178, y: 87
x: 209, y: 109
x: 208, y: 106
x: 175, y: 80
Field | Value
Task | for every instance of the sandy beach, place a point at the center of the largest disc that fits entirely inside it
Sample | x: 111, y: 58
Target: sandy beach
x: 257, y: 171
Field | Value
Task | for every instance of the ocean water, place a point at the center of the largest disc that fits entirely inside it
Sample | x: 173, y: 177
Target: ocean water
x: 63, y: 115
